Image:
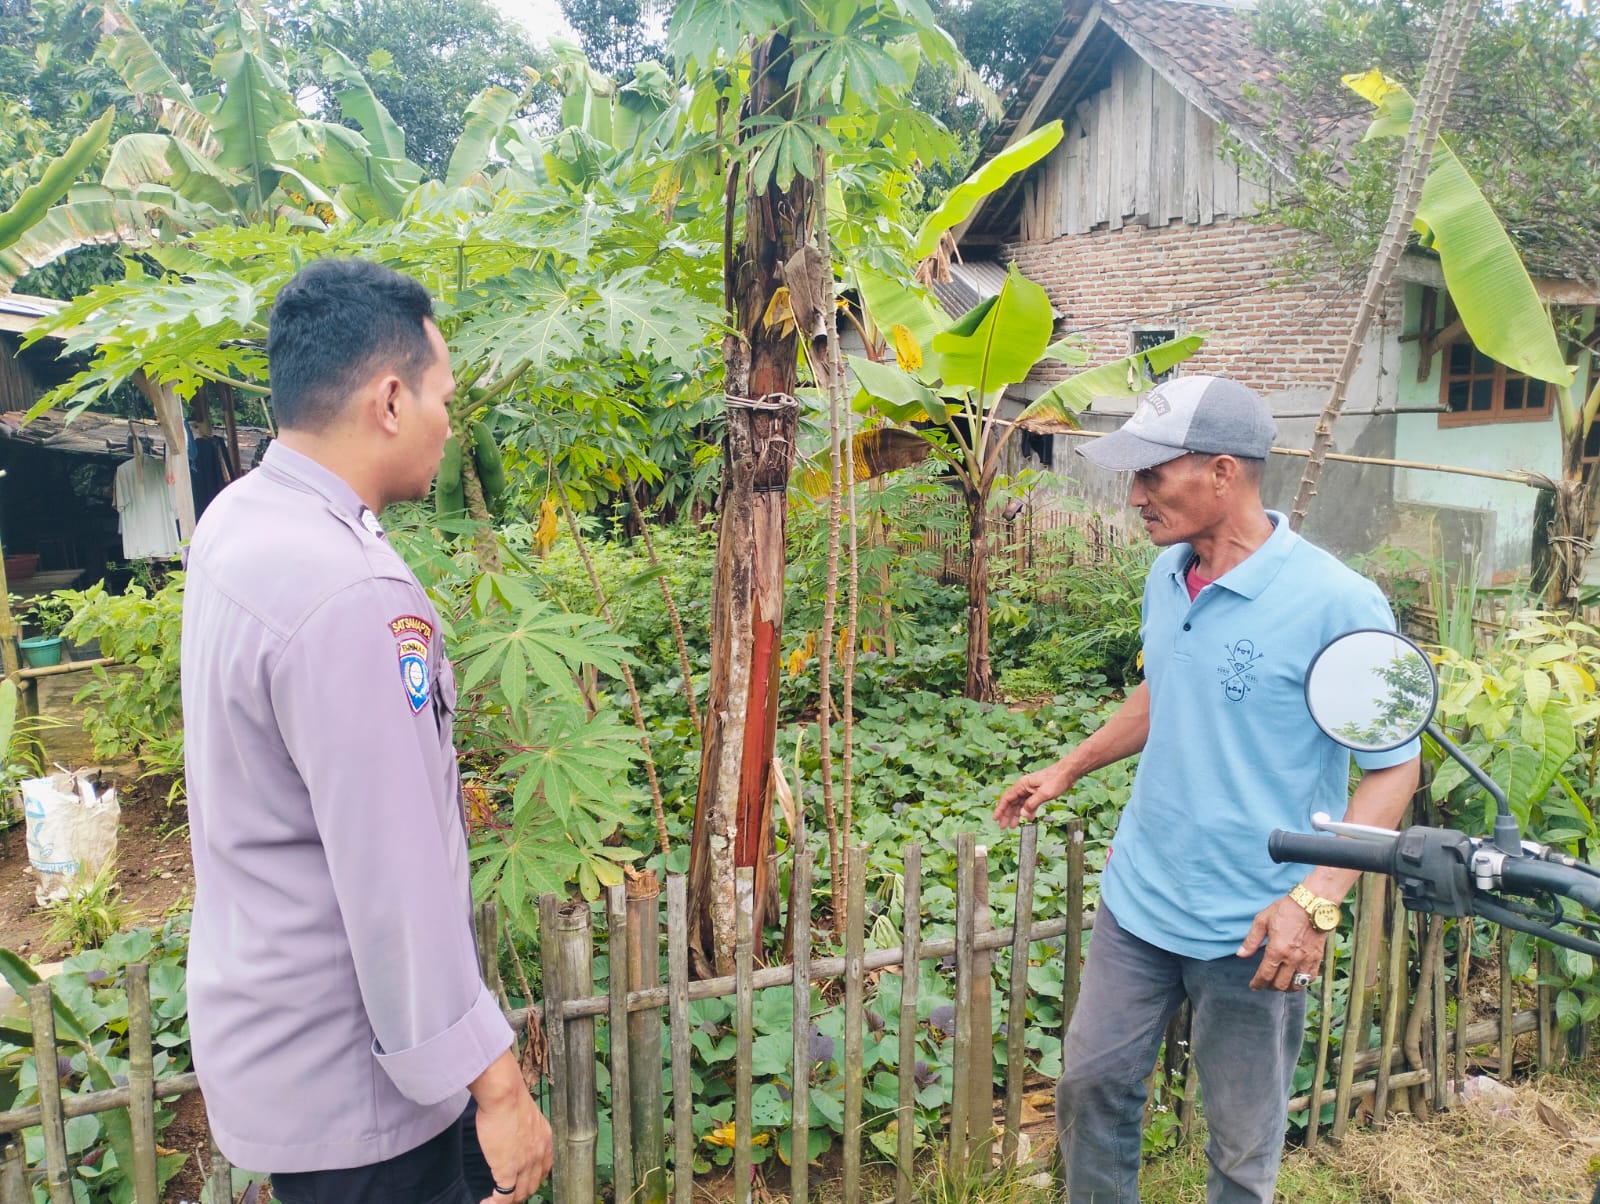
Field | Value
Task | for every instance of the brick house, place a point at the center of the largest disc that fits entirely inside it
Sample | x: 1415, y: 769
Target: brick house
x: 1138, y: 225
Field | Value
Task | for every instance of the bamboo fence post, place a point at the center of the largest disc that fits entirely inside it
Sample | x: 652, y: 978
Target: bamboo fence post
x: 1330, y: 965
x: 644, y: 1039
x: 1441, y: 1021
x: 1547, y: 967
x: 1464, y: 927
x: 854, y: 951
x: 1508, y: 1039
x: 1191, y: 1078
x: 800, y: 1097
x: 555, y: 1031
x: 910, y: 953
x: 142, y: 1087
x: 678, y: 1019
x: 621, y: 1054
x: 1355, y: 1018
x: 221, y: 1177
x: 1392, y: 990
x: 486, y: 919
x: 1072, y: 939
x: 980, y: 1056
x: 960, y: 1063
x: 575, y: 953
x: 14, y: 1172
x: 1420, y: 1023
x: 45, y: 1059
x: 744, y: 1029
x: 1017, y: 1013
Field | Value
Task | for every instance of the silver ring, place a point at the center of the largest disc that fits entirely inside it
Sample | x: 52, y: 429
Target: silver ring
x: 1302, y: 979
x: 503, y: 1191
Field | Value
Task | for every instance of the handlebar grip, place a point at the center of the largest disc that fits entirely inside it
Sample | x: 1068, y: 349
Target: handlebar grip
x: 1523, y: 875
x: 1338, y: 851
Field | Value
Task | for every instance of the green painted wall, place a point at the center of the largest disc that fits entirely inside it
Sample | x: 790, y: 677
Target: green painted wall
x: 1500, y: 447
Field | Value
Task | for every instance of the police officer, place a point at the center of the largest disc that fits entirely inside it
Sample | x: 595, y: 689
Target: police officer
x: 343, y: 1036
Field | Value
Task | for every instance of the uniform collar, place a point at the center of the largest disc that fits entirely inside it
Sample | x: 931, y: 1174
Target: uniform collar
x: 302, y: 470
x: 1253, y: 574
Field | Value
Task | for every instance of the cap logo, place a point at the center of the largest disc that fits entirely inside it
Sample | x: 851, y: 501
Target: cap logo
x: 1159, y: 404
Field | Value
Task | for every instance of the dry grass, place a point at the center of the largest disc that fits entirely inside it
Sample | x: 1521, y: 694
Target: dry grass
x: 1542, y: 1145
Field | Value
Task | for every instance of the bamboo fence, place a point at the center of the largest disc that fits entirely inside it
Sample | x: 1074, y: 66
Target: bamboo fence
x: 1404, y: 983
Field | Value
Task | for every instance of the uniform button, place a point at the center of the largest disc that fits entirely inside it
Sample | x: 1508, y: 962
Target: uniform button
x: 1186, y: 626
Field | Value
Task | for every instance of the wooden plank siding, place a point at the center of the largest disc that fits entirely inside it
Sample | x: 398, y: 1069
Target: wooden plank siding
x: 1136, y: 151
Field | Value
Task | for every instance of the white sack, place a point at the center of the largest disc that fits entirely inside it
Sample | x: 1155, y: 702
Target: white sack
x: 72, y: 831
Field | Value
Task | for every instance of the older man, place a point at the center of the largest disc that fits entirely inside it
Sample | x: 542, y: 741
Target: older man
x: 1191, y: 905
x: 343, y: 1036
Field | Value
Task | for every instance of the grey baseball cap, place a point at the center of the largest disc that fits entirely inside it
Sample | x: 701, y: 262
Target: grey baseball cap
x: 1207, y: 414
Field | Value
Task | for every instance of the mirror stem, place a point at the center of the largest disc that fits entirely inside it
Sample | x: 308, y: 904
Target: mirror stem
x: 1507, y: 837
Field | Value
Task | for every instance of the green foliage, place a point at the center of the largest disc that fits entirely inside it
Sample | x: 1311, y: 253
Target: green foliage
x: 133, y: 711
x: 92, y: 913
x: 48, y: 613
x: 91, y: 1006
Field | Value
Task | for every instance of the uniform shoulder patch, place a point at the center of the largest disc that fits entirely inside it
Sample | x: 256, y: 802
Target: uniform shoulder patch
x: 412, y: 637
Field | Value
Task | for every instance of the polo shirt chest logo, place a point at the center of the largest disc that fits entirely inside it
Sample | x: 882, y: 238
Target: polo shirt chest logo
x: 1237, y: 669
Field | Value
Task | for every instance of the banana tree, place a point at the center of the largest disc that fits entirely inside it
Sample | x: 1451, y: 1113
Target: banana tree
x: 945, y: 387
x: 242, y: 152
x: 1505, y: 319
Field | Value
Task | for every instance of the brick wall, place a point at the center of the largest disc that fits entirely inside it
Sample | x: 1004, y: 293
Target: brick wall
x: 1223, y: 278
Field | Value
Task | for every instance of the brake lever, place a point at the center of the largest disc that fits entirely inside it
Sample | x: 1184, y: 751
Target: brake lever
x: 1323, y: 822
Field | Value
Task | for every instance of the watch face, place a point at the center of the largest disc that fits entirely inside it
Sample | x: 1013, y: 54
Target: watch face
x: 1326, y: 917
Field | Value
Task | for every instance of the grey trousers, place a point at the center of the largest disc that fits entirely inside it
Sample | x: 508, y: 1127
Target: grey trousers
x: 1246, y: 1044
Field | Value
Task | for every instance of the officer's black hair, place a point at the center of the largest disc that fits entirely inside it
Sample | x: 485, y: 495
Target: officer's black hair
x: 334, y: 324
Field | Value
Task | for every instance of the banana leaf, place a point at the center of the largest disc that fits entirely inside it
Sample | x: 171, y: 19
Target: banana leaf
x: 872, y: 454
x: 91, y: 215
x: 998, y: 341
x: 487, y: 115
x: 140, y: 159
x: 1126, y: 377
x: 255, y: 101
x: 1487, y: 281
x: 58, y: 177
x: 987, y: 180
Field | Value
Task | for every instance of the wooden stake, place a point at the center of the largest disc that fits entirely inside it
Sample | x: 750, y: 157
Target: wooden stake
x: 141, y: 1085
x: 1508, y: 1040
x: 1393, y: 990
x: 1072, y: 940
x: 617, y: 960
x: 1464, y: 928
x: 744, y: 1029
x: 961, y: 1059
x: 1355, y: 1018
x: 1017, y: 1012
x: 678, y: 1018
x: 855, y: 943
x: 58, y: 1175
x: 644, y: 1040
x: 555, y: 1031
x: 980, y: 1073
x: 1330, y: 964
x: 800, y: 1098
x: 910, y: 940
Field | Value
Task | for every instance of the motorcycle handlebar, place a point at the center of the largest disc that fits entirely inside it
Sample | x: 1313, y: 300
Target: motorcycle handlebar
x: 1371, y: 856
x: 1524, y: 875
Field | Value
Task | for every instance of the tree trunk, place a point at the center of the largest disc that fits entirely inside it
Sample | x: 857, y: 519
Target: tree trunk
x: 980, y: 681
x: 733, y: 810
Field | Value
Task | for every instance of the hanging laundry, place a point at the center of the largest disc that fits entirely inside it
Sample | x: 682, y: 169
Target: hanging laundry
x: 144, y: 503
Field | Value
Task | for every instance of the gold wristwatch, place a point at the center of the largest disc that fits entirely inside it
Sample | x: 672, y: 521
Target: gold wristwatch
x: 1324, y: 913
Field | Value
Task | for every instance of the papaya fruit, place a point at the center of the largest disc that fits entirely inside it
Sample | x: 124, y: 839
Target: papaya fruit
x: 486, y: 458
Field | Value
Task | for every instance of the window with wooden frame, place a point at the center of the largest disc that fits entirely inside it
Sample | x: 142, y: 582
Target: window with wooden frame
x: 1475, y: 389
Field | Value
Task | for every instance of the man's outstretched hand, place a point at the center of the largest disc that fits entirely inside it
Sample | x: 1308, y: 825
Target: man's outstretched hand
x: 1023, y: 798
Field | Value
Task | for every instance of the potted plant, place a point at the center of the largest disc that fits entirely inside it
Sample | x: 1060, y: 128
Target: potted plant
x: 46, y: 617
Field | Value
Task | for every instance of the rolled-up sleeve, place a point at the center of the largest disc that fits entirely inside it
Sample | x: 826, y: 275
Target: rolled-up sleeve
x: 366, y: 740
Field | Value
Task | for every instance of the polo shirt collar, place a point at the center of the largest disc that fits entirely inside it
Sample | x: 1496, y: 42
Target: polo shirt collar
x: 297, y: 469
x: 1256, y: 571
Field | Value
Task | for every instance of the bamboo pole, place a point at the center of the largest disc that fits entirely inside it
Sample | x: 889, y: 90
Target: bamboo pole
x: 575, y: 952
x: 1508, y: 1041
x: 58, y: 1175
x: 220, y: 1180
x: 1406, y: 1078
x: 800, y: 1097
x: 910, y: 939
x: 555, y: 1030
x: 644, y: 1040
x: 617, y: 960
x: 744, y: 1028
x: 961, y: 1062
x: 1072, y: 938
x: 1393, y: 990
x: 1547, y: 966
x: 1017, y: 1012
x: 1422, y: 1009
x: 855, y: 942
x: 1355, y: 1018
x: 1440, y: 1022
x: 14, y: 1174
x: 1187, y: 1109
x: 141, y: 1085
x: 678, y: 1020
x: 980, y: 1056
x: 24, y: 675
x: 486, y: 919
x: 1330, y: 965
x: 1464, y: 934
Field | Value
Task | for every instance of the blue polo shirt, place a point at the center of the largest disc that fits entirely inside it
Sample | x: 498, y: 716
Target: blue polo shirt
x: 1233, y: 752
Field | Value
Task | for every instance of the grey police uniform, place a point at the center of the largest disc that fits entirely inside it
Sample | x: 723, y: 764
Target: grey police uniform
x: 336, y: 1008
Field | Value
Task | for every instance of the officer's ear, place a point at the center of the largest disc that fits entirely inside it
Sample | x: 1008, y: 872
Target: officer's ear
x: 384, y: 401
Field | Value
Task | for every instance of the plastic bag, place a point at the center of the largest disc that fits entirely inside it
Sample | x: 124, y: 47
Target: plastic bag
x: 72, y: 831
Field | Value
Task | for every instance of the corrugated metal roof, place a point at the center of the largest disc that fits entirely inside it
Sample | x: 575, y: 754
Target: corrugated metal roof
x: 19, y: 313
x: 970, y: 282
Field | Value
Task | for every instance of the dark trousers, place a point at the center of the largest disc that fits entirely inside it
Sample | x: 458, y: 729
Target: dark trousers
x: 449, y: 1169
